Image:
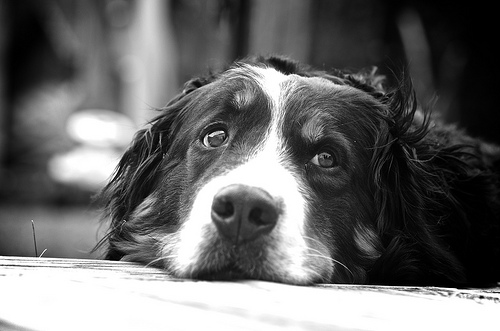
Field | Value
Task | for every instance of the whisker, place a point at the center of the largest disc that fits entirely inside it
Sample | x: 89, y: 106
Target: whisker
x: 312, y: 271
x: 335, y: 261
x: 313, y: 239
x: 329, y: 258
x: 160, y: 259
x: 160, y: 247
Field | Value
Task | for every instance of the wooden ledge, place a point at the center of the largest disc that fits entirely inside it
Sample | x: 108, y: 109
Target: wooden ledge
x: 66, y: 294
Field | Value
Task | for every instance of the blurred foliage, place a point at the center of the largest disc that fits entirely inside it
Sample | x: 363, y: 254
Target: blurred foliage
x: 58, y: 57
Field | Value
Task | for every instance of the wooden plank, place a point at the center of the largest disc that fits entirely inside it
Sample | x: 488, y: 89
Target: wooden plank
x: 66, y: 294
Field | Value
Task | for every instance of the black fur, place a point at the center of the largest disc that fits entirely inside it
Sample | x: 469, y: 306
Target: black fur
x: 434, y: 190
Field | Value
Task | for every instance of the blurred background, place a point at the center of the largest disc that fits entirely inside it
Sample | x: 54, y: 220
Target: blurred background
x: 78, y: 78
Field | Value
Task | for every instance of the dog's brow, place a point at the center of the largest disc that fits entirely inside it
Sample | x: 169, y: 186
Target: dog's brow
x: 243, y: 98
x: 320, y: 127
x: 315, y: 126
x: 251, y: 81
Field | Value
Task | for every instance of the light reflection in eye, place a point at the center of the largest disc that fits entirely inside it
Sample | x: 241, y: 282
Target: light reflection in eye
x: 215, y: 138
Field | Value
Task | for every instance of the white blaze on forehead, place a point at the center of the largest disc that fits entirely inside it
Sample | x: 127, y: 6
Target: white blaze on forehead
x: 271, y: 82
x: 265, y: 169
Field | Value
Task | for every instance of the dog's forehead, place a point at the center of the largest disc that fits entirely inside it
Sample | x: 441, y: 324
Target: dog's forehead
x: 310, y: 102
x: 278, y: 86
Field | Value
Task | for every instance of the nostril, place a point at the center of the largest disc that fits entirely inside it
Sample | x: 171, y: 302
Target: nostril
x: 262, y: 216
x: 223, y: 208
x: 255, y: 216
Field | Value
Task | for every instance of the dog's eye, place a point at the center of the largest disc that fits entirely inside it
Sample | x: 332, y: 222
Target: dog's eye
x: 325, y: 160
x: 215, y: 138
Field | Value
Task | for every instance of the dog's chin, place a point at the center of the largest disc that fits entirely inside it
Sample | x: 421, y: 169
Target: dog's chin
x: 230, y: 272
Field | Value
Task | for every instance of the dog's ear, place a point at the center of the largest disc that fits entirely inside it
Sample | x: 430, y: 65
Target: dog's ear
x: 192, y: 85
x: 368, y: 80
x: 133, y: 181
x: 409, y: 196
x: 394, y: 157
x: 282, y: 64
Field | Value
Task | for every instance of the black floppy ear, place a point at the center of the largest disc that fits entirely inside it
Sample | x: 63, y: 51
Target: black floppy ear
x: 409, y: 198
x: 135, y: 176
x: 190, y: 86
x: 133, y: 181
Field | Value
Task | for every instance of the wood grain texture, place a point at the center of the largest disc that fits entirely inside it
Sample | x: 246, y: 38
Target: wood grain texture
x: 66, y: 294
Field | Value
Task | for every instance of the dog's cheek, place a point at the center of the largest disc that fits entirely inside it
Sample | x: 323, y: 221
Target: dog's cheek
x: 324, y: 230
x: 159, y: 217
x: 199, y: 168
x: 320, y: 247
x: 200, y: 162
x: 196, y: 232
x: 333, y: 223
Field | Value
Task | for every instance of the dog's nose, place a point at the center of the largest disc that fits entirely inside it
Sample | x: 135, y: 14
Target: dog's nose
x: 243, y: 213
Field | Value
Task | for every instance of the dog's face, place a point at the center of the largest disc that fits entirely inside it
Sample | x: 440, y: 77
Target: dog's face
x: 271, y: 172
x: 264, y: 178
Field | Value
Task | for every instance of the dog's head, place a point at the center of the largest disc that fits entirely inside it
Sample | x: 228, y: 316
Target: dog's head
x: 271, y: 170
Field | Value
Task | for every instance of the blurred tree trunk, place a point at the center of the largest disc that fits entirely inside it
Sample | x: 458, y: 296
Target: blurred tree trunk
x: 239, y: 22
x: 94, y: 61
x: 147, y: 60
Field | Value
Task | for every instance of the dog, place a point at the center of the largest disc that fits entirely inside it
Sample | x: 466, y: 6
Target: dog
x: 273, y: 170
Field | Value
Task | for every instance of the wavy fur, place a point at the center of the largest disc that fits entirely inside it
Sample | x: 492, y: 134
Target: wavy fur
x: 434, y: 189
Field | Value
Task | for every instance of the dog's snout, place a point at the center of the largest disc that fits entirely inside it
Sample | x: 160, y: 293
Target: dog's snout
x: 243, y: 213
